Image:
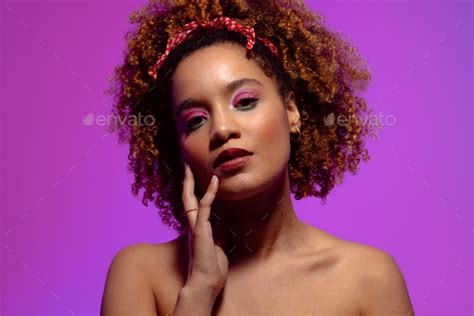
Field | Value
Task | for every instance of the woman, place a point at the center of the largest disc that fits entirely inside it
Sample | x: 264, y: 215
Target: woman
x: 241, y: 93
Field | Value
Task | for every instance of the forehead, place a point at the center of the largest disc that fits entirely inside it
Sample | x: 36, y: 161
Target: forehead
x: 207, y: 71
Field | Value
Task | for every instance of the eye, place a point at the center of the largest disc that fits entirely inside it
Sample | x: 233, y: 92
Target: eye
x: 248, y: 103
x: 193, y: 123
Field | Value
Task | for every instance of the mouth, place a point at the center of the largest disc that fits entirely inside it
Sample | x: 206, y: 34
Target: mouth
x: 234, y: 164
x: 232, y: 158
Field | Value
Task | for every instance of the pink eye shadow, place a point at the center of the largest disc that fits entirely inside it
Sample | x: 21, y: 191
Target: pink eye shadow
x: 242, y: 95
x: 191, y: 115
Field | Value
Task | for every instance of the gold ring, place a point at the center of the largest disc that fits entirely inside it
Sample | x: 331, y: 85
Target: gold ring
x: 193, y: 209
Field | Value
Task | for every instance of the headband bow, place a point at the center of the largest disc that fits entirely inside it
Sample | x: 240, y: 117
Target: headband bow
x: 230, y: 24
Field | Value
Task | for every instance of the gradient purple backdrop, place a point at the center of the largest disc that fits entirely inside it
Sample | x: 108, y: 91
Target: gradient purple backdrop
x: 66, y: 203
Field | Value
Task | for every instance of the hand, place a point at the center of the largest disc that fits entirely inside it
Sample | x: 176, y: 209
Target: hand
x: 208, y: 264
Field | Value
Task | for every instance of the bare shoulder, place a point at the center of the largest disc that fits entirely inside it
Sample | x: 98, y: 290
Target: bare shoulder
x: 357, y: 256
x: 382, y: 282
x: 141, y: 256
x: 127, y: 290
x: 130, y: 284
x: 374, y: 274
x: 159, y: 261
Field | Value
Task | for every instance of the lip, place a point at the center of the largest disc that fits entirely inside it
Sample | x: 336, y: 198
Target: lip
x: 231, y: 156
x: 234, y: 164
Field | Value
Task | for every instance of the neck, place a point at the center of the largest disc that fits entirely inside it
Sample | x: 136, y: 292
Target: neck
x: 258, y: 227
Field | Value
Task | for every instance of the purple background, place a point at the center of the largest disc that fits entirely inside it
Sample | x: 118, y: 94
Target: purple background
x: 66, y: 203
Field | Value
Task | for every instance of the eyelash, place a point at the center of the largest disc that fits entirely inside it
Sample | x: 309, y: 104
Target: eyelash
x: 191, y: 127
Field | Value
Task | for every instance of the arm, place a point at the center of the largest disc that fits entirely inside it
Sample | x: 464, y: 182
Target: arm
x: 127, y: 290
x: 384, y: 289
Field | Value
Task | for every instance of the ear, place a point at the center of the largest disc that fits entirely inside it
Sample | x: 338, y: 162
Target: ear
x: 292, y: 113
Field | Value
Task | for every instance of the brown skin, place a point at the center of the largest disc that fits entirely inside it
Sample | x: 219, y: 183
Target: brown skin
x: 323, y: 67
x: 261, y: 186
x: 332, y: 279
x: 280, y: 266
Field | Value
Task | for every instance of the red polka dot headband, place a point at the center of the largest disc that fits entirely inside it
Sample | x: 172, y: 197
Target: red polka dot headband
x: 230, y: 24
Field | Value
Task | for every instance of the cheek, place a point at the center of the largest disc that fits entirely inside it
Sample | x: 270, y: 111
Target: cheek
x: 196, y: 156
x: 271, y: 140
x: 272, y: 129
x: 272, y: 145
x: 193, y: 152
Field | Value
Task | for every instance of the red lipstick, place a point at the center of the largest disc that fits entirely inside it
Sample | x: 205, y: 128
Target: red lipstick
x: 231, y: 158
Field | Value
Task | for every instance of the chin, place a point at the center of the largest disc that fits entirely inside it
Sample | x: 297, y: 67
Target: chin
x: 241, y: 186
x: 235, y: 196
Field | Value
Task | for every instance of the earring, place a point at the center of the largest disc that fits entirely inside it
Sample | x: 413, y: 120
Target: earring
x: 298, y: 133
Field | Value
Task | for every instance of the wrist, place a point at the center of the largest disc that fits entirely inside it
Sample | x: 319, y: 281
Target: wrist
x: 198, y: 293
x: 194, y: 301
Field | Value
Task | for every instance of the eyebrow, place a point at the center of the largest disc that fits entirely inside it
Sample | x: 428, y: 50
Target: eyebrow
x: 231, y: 87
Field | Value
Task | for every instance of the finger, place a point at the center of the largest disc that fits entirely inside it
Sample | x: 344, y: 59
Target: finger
x: 189, y: 199
x: 190, y: 245
x: 206, y: 202
x: 205, y: 257
x: 204, y: 246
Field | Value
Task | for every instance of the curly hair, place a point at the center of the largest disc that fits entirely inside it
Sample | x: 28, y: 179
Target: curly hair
x: 322, y: 68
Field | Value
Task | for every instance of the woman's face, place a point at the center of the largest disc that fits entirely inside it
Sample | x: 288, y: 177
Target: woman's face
x: 229, y: 102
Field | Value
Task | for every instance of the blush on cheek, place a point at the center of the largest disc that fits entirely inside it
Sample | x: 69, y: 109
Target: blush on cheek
x: 272, y: 134
x: 271, y: 126
x: 197, y: 161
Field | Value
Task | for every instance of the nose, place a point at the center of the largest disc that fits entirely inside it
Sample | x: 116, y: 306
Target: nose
x: 224, y: 126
